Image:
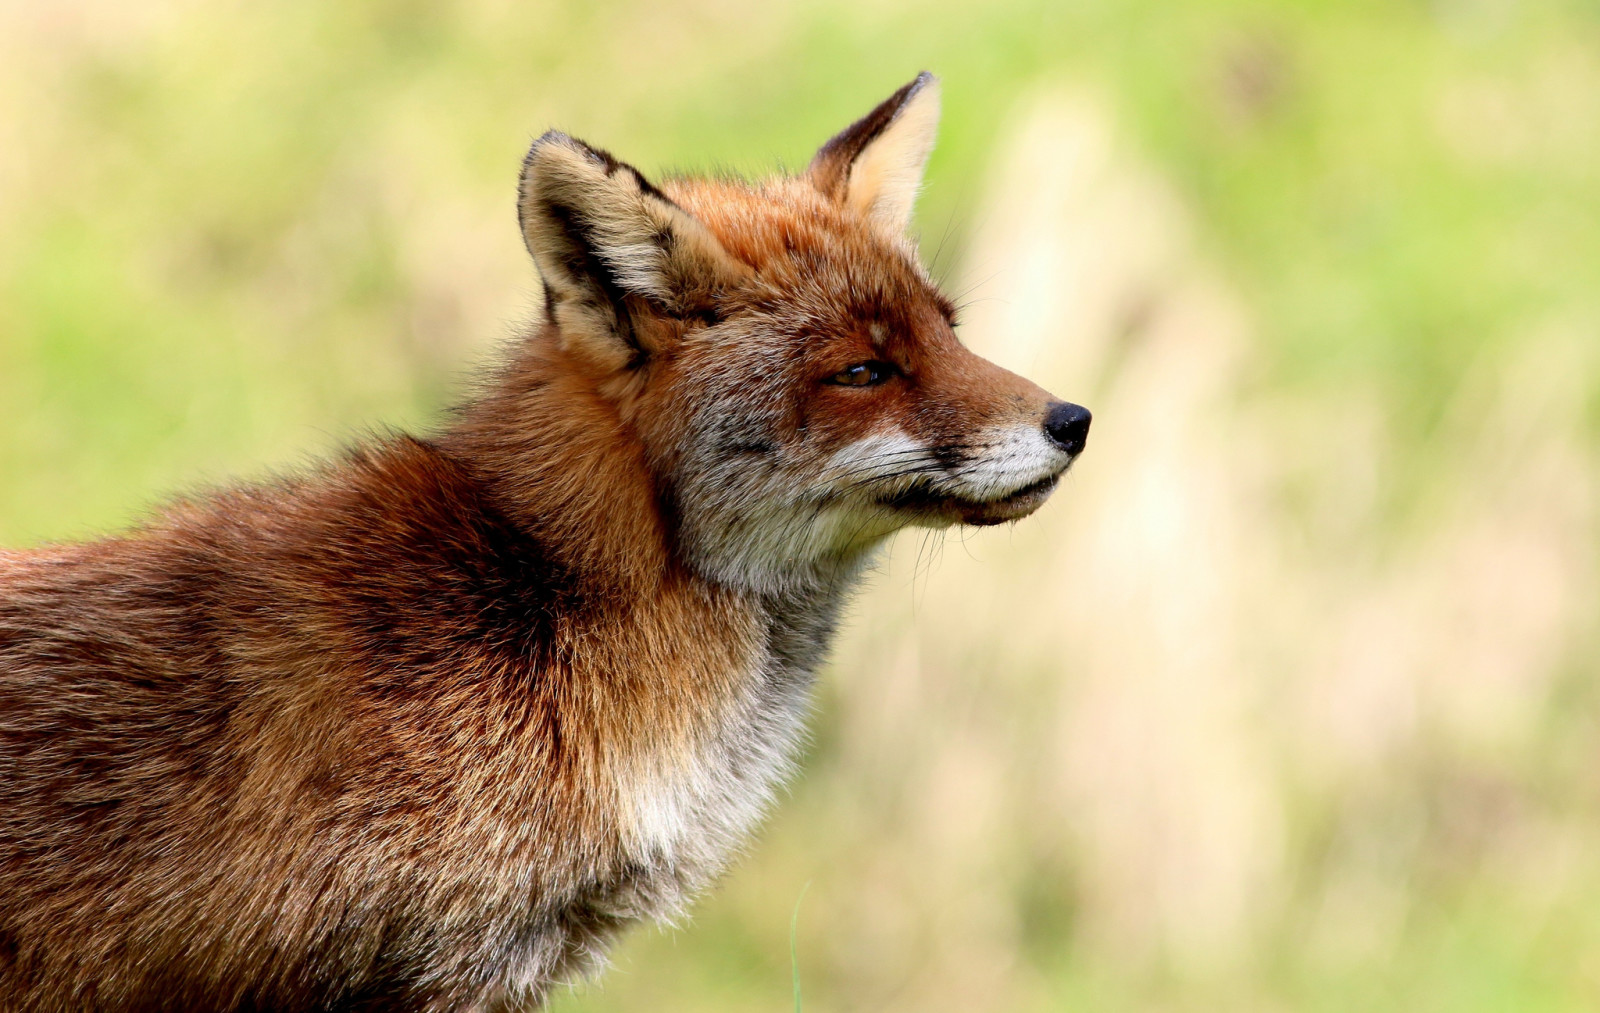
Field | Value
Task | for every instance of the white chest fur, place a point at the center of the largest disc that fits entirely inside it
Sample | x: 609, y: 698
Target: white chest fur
x: 691, y: 812
x: 688, y: 813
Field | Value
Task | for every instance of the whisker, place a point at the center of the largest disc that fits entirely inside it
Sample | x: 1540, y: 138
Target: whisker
x: 898, y: 455
x: 926, y: 469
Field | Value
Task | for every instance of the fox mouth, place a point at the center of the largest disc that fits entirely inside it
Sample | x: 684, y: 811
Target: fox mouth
x: 923, y: 499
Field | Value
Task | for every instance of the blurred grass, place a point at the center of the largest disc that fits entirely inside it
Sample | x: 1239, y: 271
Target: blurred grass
x: 233, y: 235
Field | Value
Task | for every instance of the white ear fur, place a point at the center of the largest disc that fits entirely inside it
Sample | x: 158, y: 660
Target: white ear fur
x: 885, y: 177
x: 600, y: 233
x: 874, y: 166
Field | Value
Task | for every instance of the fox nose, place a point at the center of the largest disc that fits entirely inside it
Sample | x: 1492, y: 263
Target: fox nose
x: 1068, y: 425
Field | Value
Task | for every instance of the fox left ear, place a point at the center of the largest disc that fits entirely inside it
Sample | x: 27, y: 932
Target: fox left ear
x: 875, y: 165
x: 617, y: 257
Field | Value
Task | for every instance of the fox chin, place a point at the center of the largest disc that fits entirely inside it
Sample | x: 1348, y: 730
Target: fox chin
x: 424, y: 727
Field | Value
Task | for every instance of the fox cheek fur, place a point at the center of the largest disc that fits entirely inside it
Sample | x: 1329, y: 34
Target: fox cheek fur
x: 424, y: 728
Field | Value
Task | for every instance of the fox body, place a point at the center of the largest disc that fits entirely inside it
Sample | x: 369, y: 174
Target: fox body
x: 424, y: 727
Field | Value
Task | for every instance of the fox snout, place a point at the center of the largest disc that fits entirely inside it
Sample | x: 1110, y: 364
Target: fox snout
x: 1017, y: 472
x: 1066, y: 431
x: 1008, y: 440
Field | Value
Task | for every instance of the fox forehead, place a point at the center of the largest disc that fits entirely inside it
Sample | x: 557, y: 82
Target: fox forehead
x: 804, y: 248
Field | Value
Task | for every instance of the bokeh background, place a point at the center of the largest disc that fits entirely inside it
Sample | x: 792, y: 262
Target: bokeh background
x: 1288, y: 701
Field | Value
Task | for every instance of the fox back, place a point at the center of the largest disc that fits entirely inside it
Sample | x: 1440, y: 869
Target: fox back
x: 422, y: 728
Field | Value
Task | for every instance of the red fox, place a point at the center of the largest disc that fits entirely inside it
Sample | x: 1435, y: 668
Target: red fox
x: 425, y: 727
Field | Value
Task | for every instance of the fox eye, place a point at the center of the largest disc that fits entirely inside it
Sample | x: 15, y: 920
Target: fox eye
x: 863, y: 374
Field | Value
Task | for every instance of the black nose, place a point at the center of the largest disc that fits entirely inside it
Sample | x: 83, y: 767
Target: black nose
x: 1068, y: 425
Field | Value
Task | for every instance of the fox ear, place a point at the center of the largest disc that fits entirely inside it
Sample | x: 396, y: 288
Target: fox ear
x: 875, y: 165
x: 612, y: 250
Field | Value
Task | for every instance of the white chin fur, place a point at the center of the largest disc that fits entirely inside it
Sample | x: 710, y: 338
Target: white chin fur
x: 1002, y: 461
x: 1013, y: 458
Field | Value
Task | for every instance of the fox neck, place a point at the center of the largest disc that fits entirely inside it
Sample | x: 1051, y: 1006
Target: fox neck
x: 563, y: 465
x: 785, y: 547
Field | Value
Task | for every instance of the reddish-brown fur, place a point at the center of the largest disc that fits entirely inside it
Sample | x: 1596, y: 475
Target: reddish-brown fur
x: 421, y: 729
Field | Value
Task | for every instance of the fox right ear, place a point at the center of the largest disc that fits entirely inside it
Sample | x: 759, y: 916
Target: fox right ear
x: 875, y: 165
x: 612, y: 249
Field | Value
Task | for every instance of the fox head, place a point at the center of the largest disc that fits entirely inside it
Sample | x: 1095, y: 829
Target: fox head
x: 788, y: 369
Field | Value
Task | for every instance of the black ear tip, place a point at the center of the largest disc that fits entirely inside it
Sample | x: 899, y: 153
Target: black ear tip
x: 911, y: 88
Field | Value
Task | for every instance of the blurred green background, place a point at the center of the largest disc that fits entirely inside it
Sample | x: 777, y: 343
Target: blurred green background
x: 1288, y: 701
